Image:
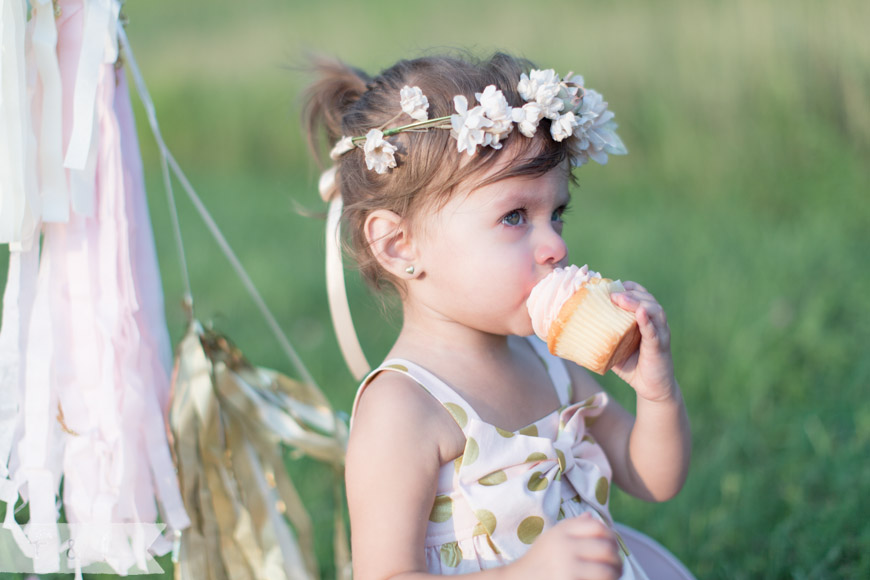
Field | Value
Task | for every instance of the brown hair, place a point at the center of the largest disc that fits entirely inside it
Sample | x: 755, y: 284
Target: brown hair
x: 346, y: 101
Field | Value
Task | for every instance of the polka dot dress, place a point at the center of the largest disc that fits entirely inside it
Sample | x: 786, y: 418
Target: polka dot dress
x: 507, y: 488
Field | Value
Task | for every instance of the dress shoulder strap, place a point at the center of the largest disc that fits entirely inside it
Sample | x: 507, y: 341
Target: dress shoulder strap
x: 556, y: 369
x: 458, y: 408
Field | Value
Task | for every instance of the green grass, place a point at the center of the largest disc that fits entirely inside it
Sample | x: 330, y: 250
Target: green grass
x: 743, y: 206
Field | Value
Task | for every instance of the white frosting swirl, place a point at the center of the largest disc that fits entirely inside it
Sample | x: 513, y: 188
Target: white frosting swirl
x: 547, y: 297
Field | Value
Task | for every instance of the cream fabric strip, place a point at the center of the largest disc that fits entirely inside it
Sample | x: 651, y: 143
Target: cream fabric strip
x: 55, y: 196
x: 337, y: 292
x: 19, y: 202
x: 96, y: 25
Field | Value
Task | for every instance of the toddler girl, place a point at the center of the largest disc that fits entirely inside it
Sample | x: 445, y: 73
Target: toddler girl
x: 473, y: 449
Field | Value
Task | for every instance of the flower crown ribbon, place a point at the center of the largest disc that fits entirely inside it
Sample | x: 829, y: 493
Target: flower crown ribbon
x: 576, y: 113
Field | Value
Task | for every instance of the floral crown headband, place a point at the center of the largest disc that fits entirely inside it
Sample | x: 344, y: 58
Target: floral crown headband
x: 576, y: 113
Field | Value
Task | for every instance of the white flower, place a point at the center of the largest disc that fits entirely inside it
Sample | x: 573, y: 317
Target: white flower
x: 497, y: 110
x: 539, y: 85
x: 594, y: 132
x: 344, y: 145
x: 414, y: 102
x: 527, y: 118
x: 551, y: 108
x: 380, y: 154
x: 468, y: 126
x: 562, y: 127
x: 542, y: 87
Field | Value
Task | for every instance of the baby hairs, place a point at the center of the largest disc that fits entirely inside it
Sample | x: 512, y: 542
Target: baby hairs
x: 344, y: 101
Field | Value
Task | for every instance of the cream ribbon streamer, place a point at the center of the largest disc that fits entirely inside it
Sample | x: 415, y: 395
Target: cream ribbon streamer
x: 348, y: 340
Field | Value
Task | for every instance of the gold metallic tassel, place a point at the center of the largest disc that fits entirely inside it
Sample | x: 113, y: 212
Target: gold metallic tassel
x: 229, y: 420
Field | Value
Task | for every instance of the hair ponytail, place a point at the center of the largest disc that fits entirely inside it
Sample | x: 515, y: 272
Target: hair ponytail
x: 336, y: 88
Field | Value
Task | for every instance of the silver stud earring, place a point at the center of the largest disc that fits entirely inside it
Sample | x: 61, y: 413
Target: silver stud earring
x: 410, y: 269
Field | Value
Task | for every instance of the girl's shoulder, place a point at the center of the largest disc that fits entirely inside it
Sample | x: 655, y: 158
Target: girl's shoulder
x: 392, y: 406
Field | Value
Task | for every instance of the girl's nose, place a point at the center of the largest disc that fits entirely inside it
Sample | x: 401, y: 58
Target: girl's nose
x: 550, y: 248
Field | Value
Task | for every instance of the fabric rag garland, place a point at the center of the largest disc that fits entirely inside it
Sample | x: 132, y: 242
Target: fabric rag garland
x: 85, y: 356
x: 575, y: 113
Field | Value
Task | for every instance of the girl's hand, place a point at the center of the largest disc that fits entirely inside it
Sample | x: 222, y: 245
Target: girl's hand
x: 580, y: 548
x: 650, y: 370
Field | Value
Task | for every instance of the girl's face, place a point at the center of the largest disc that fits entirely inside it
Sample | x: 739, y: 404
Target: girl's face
x: 484, y: 251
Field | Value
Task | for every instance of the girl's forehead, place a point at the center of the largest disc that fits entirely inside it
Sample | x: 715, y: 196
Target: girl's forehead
x: 530, y: 188
x: 512, y: 192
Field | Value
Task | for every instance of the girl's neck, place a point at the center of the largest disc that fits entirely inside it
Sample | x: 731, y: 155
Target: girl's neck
x: 426, y: 333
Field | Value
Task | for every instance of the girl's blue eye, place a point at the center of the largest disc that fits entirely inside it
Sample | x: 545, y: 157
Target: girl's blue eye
x: 559, y: 214
x: 514, y: 218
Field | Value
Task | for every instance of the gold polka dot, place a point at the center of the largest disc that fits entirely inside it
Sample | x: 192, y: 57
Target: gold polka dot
x: 535, y: 457
x: 588, y: 439
x: 451, y: 554
x: 602, y: 490
x: 561, y: 456
x: 442, y: 510
x: 537, y: 482
x: 504, y: 433
x: 492, y: 544
x: 458, y: 414
x: 487, y: 518
x: 472, y: 450
x: 457, y: 463
x: 531, y: 431
x: 494, y: 478
x: 402, y: 368
x: 530, y: 528
x: 561, y: 515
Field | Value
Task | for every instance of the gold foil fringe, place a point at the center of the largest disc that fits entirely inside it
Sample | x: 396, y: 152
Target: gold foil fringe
x: 229, y: 421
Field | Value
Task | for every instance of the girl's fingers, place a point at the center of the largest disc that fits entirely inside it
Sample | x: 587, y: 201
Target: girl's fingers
x: 629, y: 285
x: 651, y: 317
x: 653, y: 325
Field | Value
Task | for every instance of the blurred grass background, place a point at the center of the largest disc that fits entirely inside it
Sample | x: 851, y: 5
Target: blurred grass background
x: 743, y: 206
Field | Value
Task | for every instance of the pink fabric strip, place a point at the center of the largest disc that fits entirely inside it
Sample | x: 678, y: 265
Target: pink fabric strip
x: 154, y: 352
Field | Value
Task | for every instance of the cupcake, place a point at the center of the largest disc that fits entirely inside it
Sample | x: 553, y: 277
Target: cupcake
x: 571, y: 310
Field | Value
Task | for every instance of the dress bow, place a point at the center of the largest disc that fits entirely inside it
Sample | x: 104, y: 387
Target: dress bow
x: 517, y: 486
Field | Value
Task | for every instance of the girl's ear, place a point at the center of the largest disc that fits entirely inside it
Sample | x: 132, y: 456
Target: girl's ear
x: 391, y: 243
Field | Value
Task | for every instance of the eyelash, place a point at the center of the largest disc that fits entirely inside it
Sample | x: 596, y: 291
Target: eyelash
x: 521, y: 211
